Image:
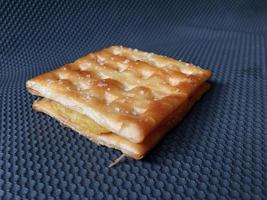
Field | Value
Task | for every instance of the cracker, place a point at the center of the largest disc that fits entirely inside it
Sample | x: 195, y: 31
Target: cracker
x: 126, y: 91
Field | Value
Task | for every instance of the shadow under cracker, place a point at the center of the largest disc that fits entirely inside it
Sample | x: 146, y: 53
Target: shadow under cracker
x: 175, y: 143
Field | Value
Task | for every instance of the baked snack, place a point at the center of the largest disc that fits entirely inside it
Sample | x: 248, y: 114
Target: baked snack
x: 120, y: 97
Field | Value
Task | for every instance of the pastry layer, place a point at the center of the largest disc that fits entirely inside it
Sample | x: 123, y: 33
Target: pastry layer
x: 89, y: 128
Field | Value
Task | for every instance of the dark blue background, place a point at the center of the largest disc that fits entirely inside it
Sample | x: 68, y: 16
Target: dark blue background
x: 217, y: 152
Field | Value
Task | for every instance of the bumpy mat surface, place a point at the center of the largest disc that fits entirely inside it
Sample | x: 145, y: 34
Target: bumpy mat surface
x: 219, y: 151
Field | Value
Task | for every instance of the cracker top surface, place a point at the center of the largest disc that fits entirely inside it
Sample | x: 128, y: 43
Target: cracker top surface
x: 127, y: 91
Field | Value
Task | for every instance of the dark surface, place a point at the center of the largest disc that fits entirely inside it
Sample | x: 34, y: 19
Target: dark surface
x: 217, y: 152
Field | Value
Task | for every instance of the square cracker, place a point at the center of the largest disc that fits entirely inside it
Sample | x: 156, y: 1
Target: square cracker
x: 126, y: 91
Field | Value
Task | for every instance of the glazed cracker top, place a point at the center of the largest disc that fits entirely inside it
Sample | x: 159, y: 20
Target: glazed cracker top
x: 128, y: 92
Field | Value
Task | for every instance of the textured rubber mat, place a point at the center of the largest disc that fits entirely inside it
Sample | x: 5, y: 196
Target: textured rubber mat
x: 219, y: 151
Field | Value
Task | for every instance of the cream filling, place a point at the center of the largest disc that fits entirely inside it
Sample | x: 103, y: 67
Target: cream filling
x: 85, y: 123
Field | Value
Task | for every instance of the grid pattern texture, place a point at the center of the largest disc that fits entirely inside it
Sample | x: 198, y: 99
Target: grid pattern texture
x: 217, y: 152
